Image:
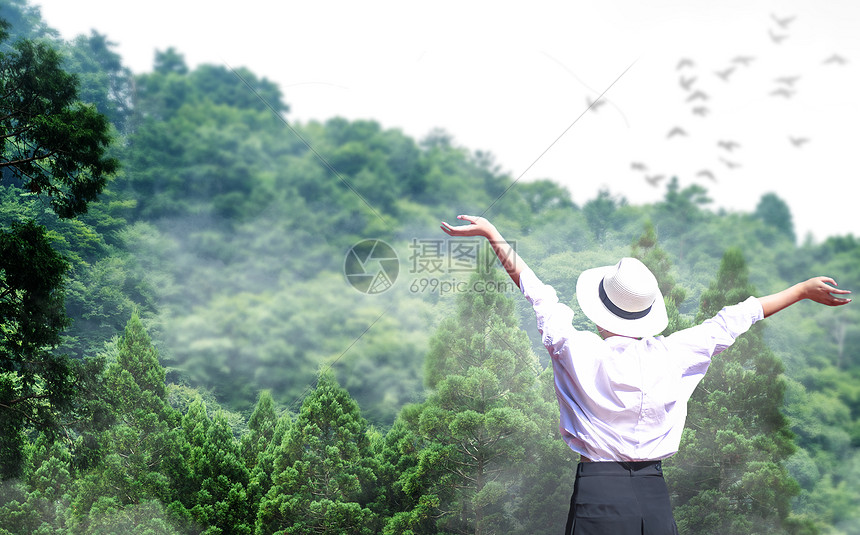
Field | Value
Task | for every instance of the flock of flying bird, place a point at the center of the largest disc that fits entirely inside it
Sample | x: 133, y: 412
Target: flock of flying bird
x: 785, y: 87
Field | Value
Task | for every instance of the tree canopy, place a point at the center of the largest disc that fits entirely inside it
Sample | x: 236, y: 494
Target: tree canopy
x: 181, y: 351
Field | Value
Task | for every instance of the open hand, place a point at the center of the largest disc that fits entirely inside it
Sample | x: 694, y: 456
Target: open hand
x: 478, y: 226
x: 819, y: 289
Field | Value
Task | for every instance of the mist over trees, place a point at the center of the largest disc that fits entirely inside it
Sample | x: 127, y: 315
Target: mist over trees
x: 181, y: 352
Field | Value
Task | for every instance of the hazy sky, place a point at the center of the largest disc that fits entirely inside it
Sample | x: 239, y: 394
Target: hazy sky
x: 510, y: 78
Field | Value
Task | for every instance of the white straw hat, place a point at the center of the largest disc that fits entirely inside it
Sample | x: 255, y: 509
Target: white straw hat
x: 623, y: 299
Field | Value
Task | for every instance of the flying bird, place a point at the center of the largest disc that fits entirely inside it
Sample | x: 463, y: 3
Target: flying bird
x: 638, y: 166
x: 654, y: 179
x: 593, y: 105
x: 728, y: 145
x: 685, y: 62
x: 776, y: 38
x: 730, y: 164
x: 783, y: 22
x: 700, y: 110
x: 798, y: 141
x: 697, y: 95
x: 743, y: 60
x: 782, y: 92
x: 724, y: 74
x: 835, y: 58
x: 686, y: 83
x: 676, y: 131
x: 707, y: 173
x: 787, y: 80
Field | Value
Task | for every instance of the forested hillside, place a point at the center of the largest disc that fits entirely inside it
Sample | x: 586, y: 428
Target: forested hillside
x: 182, y: 351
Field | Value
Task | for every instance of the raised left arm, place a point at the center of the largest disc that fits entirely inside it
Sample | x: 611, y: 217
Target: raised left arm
x: 817, y: 289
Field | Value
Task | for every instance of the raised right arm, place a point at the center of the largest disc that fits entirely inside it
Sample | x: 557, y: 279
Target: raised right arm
x: 480, y: 226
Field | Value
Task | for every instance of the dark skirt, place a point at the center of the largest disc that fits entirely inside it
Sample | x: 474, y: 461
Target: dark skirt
x: 616, y: 498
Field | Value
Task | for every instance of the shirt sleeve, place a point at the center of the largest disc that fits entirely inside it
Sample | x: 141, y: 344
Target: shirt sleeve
x: 715, y: 335
x: 554, y: 319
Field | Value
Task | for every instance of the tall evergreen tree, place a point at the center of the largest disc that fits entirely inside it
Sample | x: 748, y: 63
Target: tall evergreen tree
x: 323, y: 472
x: 404, y: 500
x: 261, y: 429
x: 646, y: 249
x: 139, y: 451
x: 729, y: 476
x: 476, y: 423
x: 38, y: 502
x: 264, y: 470
x: 215, y: 493
x: 549, y: 469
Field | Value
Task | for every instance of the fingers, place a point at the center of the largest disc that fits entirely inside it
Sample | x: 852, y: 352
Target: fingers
x: 460, y: 230
x: 831, y: 286
x: 448, y: 229
x: 455, y: 231
x: 450, y: 226
x: 828, y: 287
x: 832, y: 282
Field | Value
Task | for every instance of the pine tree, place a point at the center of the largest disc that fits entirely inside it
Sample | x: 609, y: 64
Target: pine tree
x: 323, y: 471
x: 264, y: 468
x: 38, y: 503
x: 728, y: 476
x: 401, y: 503
x: 652, y: 255
x: 210, y: 480
x: 221, y: 501
x: 261, y: 429
x: 476, y: 424
x: 549, y: 471
x: 140, y: 451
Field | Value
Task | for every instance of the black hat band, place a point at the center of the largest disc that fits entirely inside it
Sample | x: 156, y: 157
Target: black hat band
x: 620, y: 312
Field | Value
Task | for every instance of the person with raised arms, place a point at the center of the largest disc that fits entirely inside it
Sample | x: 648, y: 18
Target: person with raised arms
x: 623, y: 392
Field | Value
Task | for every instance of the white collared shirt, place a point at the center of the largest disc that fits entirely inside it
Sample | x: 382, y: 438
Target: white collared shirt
x: 625, y: 399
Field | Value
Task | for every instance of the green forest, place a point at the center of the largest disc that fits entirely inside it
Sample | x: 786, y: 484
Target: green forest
x: 182, y: 350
